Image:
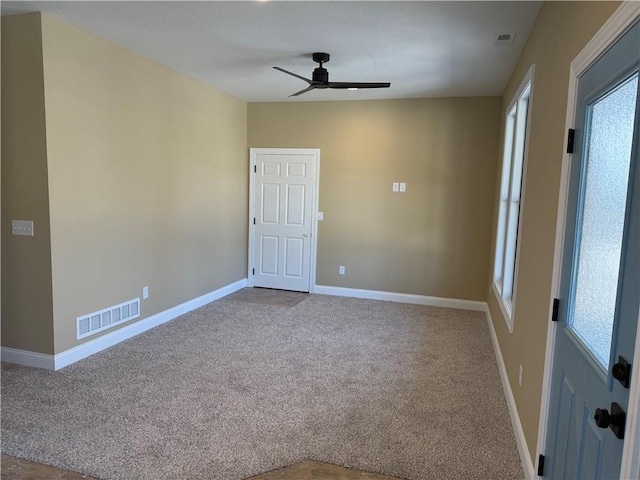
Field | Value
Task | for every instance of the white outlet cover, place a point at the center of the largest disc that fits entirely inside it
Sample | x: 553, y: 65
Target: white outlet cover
x: 320, y: 216
x: 403, y: 187
x: 341, y: 270
x: 395, y: 186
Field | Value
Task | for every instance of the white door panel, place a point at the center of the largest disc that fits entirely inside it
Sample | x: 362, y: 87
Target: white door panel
x: 269, y: 255
x: 294, y: 257
x: 283, y: 222
x: 270, y: 205
x: 296, y: 205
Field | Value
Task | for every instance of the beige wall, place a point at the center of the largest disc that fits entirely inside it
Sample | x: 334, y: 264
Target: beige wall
x: 27, y: 309
x: 148, y: 176
x: 147, y: 172
x: 551, y: 47
x: 431, y: 240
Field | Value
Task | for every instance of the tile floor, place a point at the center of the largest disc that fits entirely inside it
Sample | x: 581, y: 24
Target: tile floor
x: 12, y: 468
x: 17, y: 469
x: 319, y: 471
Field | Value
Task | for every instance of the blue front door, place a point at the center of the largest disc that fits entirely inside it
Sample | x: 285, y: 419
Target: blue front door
x: 599, y: 288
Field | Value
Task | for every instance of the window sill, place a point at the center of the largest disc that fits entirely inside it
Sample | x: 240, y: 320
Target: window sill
x: 506, y: 306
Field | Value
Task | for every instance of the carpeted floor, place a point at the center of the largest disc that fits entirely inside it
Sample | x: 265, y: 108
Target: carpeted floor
x: 238, y: 388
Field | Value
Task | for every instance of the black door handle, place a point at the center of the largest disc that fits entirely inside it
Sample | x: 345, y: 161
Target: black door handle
x: 602, y: 417
x: 614, y: 420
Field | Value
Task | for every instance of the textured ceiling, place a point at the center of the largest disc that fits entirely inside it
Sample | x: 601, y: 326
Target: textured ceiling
x: 424, y: 49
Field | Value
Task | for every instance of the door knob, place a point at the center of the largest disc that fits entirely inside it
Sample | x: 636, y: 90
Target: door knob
x: 602, y: 417
x: 614, y: 420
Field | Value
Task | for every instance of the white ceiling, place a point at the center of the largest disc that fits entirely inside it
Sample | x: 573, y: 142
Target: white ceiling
x: 424, y: 48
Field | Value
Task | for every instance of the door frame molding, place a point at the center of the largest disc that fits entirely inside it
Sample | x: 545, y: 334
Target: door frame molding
x: 314, y: 205
x: 621, y: 20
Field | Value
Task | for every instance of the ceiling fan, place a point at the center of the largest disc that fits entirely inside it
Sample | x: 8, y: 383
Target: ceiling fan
x: 320, y: 78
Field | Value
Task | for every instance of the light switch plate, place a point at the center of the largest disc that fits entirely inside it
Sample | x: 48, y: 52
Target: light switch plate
x: 320, y: 216
x: 395, y: 186
x: 403, y: 187
x: 145, y: 292
x: 22, y: 227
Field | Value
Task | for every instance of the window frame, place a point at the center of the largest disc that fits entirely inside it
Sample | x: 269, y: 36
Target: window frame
x: 517, y: 127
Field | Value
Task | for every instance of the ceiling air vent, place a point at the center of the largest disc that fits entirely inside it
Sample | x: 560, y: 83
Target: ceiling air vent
x: 503, y: 39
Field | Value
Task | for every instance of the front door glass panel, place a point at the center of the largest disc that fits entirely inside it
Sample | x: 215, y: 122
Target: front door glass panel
x: 600, y: 226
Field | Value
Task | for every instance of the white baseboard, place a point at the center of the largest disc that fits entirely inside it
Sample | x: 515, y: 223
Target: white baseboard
x: 27, y: 358
x: 56, y: 362
x: 401, y: 298
x: 523, y: 448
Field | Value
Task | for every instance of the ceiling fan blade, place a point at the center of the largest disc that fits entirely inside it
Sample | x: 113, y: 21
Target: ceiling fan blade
x: 293, y: 74
x: 312, y: 87
x: 358, y: 85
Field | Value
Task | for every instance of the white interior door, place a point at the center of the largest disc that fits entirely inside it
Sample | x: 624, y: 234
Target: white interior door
x: 282, y: 223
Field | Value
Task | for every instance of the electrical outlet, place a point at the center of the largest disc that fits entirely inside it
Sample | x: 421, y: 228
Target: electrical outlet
x: 520, y: 376
x: 403, y: 187
x: 395, y: 186
x: 320, y: 216
x: 341, y: 270
x: 145, y: 292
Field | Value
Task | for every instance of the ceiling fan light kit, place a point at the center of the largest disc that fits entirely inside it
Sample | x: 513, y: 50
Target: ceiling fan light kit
x: 320, y: 78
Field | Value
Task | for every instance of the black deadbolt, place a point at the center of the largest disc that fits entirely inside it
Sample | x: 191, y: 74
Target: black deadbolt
x: 615, y: 420
x: 622, y: 372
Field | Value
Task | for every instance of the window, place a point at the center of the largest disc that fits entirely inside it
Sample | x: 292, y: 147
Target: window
x: 511, y: 189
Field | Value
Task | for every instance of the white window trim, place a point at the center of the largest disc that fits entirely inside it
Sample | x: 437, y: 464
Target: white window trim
x: 508, y: 306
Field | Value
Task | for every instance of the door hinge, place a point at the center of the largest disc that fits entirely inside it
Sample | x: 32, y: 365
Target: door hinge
x: 255, y: 169
x: 541, y: 465
x: 556, y: 308
x: 570, y: 137
x: 254, y: 220
x: 253, y: 271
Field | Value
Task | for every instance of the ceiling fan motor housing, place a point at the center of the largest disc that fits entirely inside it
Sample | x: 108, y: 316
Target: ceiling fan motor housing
x: 320, y: 75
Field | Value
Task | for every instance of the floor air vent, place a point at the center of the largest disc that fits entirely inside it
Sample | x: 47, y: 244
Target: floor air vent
x: 103, y: 319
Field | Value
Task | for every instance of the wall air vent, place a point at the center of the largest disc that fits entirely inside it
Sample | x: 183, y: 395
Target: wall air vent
x: 95, y: 322
x: 503, y: 39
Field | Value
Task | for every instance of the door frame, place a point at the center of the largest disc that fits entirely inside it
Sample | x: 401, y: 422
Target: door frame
x: 621, y: 20
x: 314, y: 205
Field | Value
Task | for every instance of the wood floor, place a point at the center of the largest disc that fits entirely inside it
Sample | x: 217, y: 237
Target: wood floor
x: 17, y: 469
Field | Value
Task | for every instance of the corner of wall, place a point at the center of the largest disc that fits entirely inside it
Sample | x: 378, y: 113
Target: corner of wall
x: 148, y: 181
x: 27, y: 298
